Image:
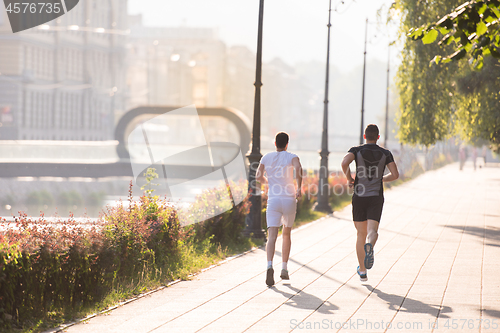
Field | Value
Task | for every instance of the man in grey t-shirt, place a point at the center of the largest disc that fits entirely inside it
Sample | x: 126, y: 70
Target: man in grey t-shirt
x: 368, y: 197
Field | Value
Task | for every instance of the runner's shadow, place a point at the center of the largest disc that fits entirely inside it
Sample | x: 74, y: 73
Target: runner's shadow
x: 301, y: 299
x: 491, y: 233
x: 492, y: 313
x: 405, y: 304
x: 301, y: 265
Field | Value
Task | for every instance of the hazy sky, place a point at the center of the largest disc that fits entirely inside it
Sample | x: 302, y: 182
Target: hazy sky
x: 294, y: 30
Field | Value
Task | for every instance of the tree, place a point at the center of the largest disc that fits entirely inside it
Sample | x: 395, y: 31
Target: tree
x: 473, y: 27
x: 425, y: 95
x: 449, y: 97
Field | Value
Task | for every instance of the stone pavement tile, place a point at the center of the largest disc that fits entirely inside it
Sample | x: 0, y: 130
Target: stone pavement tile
x: 285, y: 322
x: 103, y: 323
x: 178, y: 328
x: 260, y: 306
x: 409, y: 321
x: 469, y: 289
x: 239, y: 324
x: 302, y: 304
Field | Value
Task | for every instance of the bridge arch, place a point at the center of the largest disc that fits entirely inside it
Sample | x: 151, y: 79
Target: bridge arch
x: 233, y: 115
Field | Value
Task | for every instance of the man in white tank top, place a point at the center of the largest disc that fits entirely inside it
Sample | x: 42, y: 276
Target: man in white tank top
x: 279, y: 166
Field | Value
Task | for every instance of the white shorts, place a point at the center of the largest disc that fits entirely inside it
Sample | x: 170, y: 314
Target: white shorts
x: 281, y: 210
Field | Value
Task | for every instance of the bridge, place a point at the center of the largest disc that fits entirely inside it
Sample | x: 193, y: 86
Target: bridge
x: 121, y: 166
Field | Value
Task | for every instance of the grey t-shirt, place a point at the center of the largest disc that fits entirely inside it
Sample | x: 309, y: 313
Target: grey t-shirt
x: 370, y: 166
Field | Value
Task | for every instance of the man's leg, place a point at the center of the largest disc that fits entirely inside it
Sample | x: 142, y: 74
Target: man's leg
x: 285, y: 252
x: 272, y: 235
x: 287, y: 243
x: 372, y: 232
x: 361, y: 228
x: 372, y: 239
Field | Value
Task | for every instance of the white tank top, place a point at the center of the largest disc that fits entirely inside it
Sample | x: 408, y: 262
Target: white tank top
x: 279, y: 169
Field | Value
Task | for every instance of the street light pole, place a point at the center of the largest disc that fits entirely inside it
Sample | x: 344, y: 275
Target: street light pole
x: 387, y: 98
x: 361, y: 141
x: 322, y: 204
x: 254, y: 218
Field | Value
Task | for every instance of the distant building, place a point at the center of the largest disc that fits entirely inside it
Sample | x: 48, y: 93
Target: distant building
x: 286, y: 97
x: 64, y: 80
x: 239, y: 89
x: 175, y: 66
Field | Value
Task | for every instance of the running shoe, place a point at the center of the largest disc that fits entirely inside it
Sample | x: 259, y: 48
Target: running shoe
x: 284, y: 274
x: 369, y: 255
x: 270, y: 277
x: 362, y: 277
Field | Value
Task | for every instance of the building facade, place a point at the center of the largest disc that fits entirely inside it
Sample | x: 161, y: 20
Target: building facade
x: 174, y: 66
x: 64, y: 80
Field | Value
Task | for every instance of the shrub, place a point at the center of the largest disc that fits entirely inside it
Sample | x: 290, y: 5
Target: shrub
x: 338, y: 190
x: 61, y: 268
x: 224, y: 229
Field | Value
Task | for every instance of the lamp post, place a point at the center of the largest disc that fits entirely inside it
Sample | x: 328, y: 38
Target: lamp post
x: 361, y: 141
x: 254, y: 218
x: 387, y: 98
x: 322, y: 204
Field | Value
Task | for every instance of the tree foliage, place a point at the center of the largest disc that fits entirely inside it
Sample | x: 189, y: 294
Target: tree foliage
x: 425, y: 94
x: 439, y: 97
x: 473, y: 28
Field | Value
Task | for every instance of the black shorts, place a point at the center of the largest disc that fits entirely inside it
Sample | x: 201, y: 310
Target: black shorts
x: 367, y: 208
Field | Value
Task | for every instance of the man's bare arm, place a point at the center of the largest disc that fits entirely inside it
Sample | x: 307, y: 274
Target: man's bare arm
x: 348, y: 158
x: 394, y: 173
x: 298, y: 174
x: 259, y: 175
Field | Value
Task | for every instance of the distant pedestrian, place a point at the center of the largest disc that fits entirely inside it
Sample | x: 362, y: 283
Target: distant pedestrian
x: 474, y: 157
x: 282, y: 200
x: 484, y: 155
x: 462, y: 156
x: 368, y: 197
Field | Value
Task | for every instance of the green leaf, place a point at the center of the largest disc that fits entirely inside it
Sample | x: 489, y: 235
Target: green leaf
x: 458, y: 55
x: 473, y: 15
x: 416, y: 34
x: 445, y: 22
x: 446, y: 39
x: 495, y: 53
x: 490, y: 19
x: 496, y: 12
x: 444, y: 31
x: 481, y: 28
x: 483, y: 41
x: 482, y: 9
x: 436, y: 60
x: 463, y: 37
x: 430, y: 37
x: 478, y: 64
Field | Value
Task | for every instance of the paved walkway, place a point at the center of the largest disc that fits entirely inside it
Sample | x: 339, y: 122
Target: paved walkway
x: 436, y: 266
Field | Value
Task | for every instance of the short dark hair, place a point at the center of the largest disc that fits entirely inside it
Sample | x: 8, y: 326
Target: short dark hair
x: 371, y: 132
x: 281, y: 140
